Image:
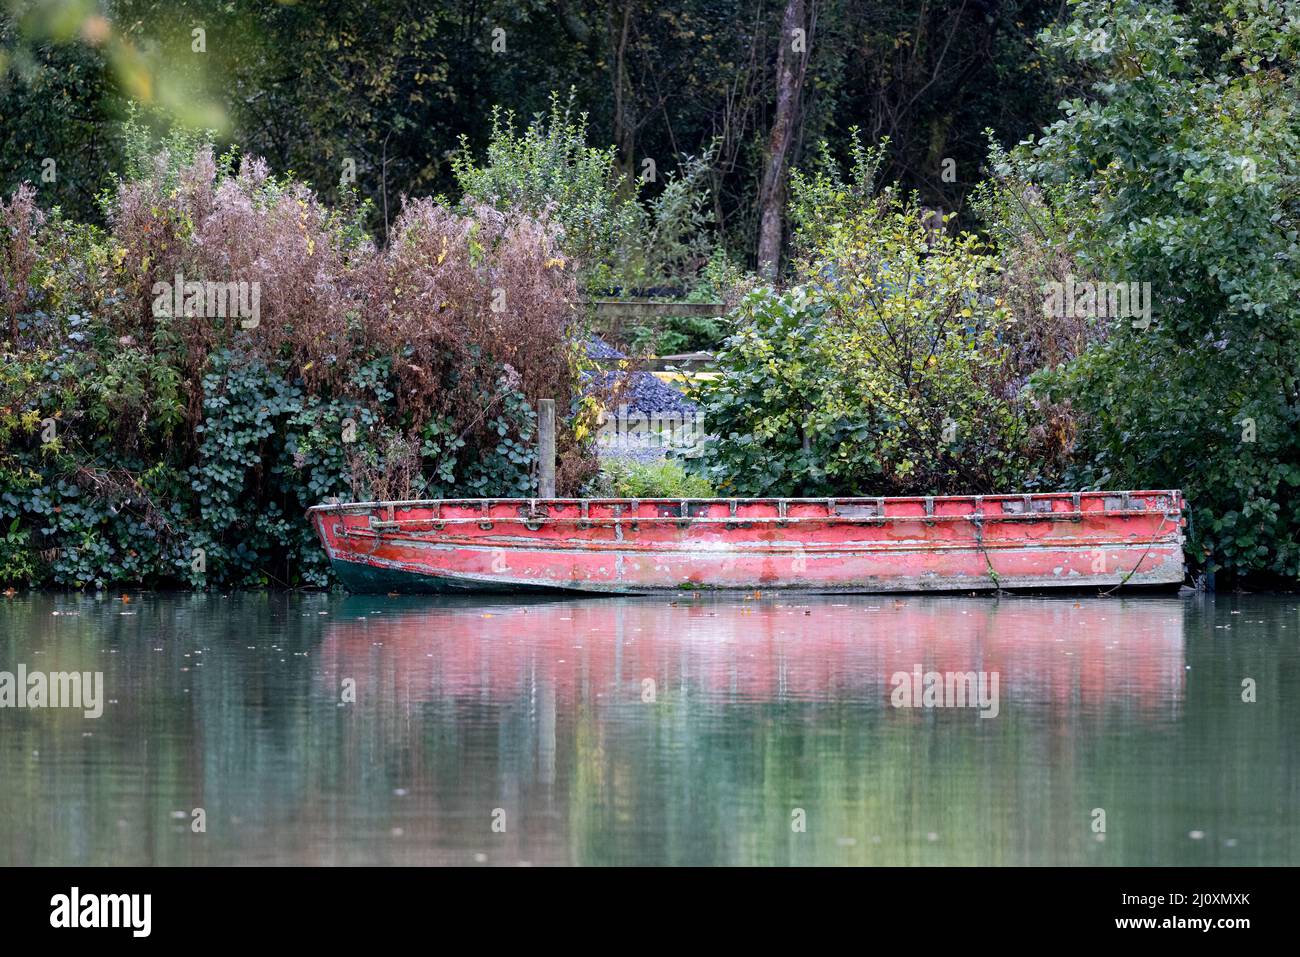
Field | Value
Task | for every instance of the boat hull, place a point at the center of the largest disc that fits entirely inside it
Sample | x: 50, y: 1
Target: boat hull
x: 1088, y: 540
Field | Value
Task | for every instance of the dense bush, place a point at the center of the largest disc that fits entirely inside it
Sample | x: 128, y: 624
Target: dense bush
x: 883, y: 372
x: 141, y: 443
x: 1180, y: 169
x: 625, y: 233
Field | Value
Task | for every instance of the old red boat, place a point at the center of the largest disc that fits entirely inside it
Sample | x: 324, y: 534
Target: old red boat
x: 629, y: 546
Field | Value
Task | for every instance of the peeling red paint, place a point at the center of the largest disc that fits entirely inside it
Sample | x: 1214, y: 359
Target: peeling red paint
x: 951, y: 543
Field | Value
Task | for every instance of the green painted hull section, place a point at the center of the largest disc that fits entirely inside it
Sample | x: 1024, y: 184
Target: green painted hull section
x: 363, y: 579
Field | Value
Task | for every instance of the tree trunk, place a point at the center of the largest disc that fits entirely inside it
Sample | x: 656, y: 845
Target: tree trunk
x: 791, y: 66
x: 624, y: 121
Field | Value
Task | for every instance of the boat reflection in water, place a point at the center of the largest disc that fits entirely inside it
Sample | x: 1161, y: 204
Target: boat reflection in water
x: 1071, y: 654
x: 644, y: 730
x: 315, y: 729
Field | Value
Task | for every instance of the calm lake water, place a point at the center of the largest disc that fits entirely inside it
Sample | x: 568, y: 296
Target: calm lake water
x: 653, y: 731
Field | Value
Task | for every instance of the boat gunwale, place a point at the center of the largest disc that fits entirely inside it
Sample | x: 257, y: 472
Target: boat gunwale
x: 1175, y: 504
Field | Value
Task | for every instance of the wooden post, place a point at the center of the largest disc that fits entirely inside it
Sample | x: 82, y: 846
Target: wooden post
x: 546, y: 448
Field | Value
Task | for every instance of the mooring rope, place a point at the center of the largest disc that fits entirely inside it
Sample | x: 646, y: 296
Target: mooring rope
x: 1133, y: 571
x: 978, y: 522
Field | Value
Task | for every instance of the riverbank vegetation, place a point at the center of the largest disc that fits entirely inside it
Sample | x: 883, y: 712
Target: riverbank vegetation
x: 1103, y: 294
x: 146, y: 443
x: 906, y: 359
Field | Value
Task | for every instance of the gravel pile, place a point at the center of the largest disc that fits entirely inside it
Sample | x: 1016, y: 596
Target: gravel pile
x: 598, y: 348
x: 644, y: 392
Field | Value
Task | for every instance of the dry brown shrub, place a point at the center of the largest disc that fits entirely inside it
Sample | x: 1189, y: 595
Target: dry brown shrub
x: 19, y: 221
x: 451, y: 299
x: 455, y: 298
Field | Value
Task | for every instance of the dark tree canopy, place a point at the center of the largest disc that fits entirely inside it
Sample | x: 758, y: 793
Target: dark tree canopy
x: 322, y: 91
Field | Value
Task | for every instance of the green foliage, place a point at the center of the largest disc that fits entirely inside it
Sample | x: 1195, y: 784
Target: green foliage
x: 145, y: 448
x: 59, y: 104
x: 242, y: 517
x: 549, y: 167
x: 760, y: 408
x: 1180, y: 169
x: 664, y: 478
x: 504, y: 467
x: 720, y: 280
x: 880, y: 374
x: 678, y: 334
x: 824, y: 194
x: 148, y: 148
x: 267, y: 450
x: 673, y: 239
x: 618, y: 238
x: 17, y: 562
